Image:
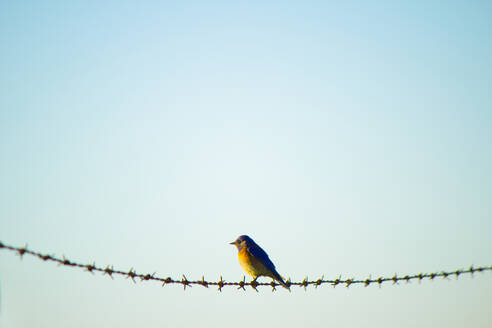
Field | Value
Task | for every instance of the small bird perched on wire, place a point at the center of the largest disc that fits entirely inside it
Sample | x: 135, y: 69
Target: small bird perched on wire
x: 254, y: 260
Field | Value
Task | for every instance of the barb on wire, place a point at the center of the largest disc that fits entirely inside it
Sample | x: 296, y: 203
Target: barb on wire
x: 220, y: 284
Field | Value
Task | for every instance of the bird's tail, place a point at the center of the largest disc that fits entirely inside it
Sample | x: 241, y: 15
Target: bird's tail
x: 281, y: 281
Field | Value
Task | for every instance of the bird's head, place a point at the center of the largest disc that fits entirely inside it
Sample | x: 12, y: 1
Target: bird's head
x: 242, y: 241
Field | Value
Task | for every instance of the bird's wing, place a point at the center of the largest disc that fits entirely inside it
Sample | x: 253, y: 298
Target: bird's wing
x: 260, y: 254
x: 271, y: 272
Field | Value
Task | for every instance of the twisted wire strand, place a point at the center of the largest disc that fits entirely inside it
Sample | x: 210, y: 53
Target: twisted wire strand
x: 134, y: 276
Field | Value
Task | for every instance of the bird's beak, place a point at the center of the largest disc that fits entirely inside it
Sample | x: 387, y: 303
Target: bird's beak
x: 233, y: 243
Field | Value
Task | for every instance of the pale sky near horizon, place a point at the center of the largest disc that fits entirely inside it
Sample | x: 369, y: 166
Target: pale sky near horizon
x: 348, y: 138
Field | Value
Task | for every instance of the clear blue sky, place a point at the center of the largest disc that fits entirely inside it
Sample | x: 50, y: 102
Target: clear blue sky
x: 347, y: 138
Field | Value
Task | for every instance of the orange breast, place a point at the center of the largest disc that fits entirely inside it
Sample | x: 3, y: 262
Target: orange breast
x: 250, y: 264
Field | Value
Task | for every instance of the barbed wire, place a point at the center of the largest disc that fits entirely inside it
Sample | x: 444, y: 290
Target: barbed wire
x: 134, y: 276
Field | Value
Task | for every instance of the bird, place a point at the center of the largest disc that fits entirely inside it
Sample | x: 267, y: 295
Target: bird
x: 255, y: 261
